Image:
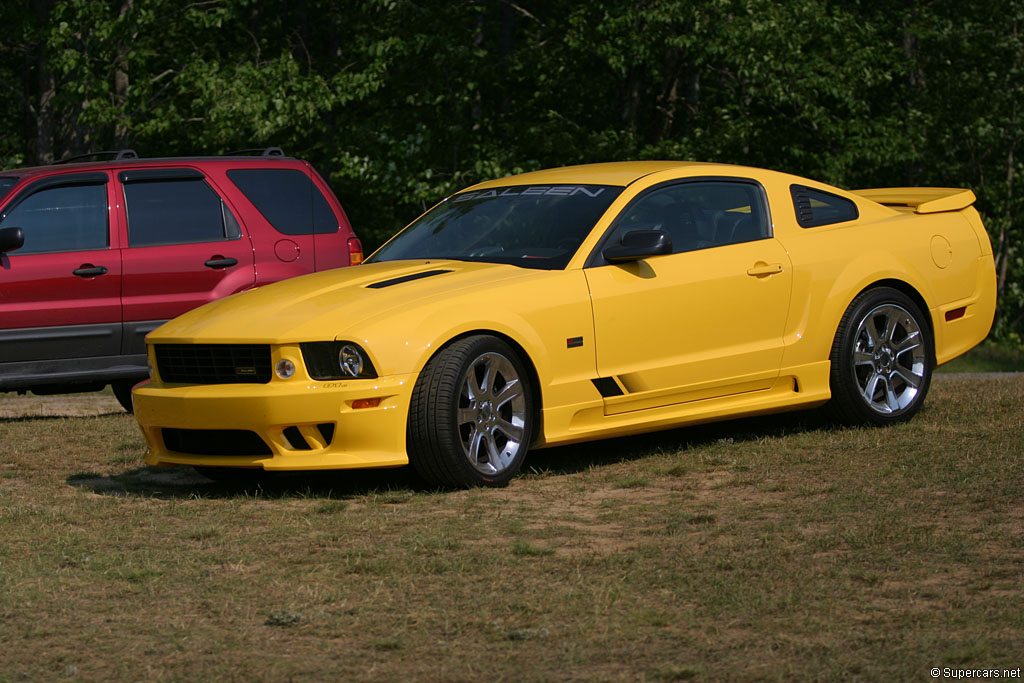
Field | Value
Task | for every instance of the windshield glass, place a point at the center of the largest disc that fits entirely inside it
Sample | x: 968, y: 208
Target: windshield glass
x: 5, y: 186
x: 533, y: 226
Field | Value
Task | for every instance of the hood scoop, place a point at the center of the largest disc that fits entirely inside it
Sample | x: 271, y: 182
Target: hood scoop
x: 405, y: 278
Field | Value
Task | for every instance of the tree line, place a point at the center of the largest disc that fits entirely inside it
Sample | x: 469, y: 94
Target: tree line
x: 400, y: 102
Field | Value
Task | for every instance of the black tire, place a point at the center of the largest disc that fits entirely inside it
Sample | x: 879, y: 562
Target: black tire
x: 123, y: 394
x: 881, y: 376
x: 454, y: 440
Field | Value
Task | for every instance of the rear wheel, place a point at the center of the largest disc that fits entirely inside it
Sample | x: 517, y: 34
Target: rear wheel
x: 882, y: 359
x: 471, y: 415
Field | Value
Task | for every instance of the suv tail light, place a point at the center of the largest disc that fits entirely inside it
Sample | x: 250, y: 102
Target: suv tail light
x: 355, y: 251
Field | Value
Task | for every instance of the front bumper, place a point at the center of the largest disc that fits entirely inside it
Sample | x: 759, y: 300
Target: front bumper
x: 275, y: 412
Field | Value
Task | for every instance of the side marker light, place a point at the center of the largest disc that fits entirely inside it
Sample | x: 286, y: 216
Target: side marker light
x: 360, y: 403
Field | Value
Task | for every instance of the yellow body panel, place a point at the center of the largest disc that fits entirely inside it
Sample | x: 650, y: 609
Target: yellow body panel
x: 686, y: 338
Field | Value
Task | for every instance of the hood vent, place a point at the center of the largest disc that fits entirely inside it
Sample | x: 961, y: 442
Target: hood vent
x: 405, y: 278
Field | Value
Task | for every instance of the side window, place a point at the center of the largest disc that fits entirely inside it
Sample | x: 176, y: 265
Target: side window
x: 287, y: 198
x: 62, y: 218
x: 176, y: 211
x: 699, y: 215
x: 815, y: 207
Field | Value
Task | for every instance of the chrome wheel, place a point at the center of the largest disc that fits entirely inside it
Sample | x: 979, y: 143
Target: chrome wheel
x: 890, y: 360
x: 491, y: 416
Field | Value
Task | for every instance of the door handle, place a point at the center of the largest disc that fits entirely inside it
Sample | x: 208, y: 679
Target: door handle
x: 89, y: 270
x: 760, y: 269
x: 221, y: 262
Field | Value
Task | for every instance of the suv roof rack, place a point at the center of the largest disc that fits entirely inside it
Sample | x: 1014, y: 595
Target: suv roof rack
x: 116, y: 155
x: 261, y: 151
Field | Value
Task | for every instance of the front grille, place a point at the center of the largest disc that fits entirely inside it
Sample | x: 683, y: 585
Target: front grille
x: 214, y: 442
x: 214, y: 363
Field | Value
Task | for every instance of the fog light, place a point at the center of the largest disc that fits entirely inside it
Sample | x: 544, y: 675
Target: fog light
x: 285, y: 368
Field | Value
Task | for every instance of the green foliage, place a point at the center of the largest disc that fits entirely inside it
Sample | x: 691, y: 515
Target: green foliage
x: 400, y: 102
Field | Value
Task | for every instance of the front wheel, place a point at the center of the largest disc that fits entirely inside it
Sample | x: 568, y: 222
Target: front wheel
x: 123, y: 393
x: 882, y: 359
x: 471, y: 417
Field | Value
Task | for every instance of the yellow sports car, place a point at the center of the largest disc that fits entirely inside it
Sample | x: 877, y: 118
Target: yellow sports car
x: 578, y: 303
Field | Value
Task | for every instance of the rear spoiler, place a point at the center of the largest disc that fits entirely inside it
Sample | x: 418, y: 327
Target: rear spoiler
x: 920, y: 199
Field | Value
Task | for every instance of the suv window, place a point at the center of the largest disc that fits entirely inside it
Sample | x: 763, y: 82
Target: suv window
x: 287, y: 198
x: 5, y: 186
x: 62, y: 218
x: 816, y: 207
x: 176, y: 211
x: 699, y: 215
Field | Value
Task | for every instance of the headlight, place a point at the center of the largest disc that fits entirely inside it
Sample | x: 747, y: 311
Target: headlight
x: 350, y: 360
x: 337, y: 360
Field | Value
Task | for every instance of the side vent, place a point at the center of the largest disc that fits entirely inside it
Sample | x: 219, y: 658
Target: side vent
x: 406, y: 278
x: 607, y: 386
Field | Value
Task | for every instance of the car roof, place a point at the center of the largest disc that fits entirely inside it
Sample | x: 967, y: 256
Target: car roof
x: 611, y: 173
x: 143, y: 163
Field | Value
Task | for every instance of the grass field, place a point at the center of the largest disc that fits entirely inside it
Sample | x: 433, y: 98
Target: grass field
x: 775, y: 548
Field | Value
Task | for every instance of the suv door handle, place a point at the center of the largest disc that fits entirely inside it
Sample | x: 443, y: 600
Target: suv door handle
x: 761, y: 268
x: 221, y: 262
x: 89, y: 270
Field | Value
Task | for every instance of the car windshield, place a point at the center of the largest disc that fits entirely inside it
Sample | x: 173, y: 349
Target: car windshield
x: 6, y: 184
x: 533, y: 226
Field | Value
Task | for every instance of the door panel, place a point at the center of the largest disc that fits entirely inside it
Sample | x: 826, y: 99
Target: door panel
x: 691, y: 325
x: 185, y: 247
x: 46, y: 309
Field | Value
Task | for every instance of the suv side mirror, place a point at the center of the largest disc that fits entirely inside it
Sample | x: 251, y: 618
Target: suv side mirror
x: 11, y: 239
x: 639, y: 244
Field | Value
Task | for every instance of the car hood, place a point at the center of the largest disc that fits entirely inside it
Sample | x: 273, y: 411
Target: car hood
x: 325, y: 305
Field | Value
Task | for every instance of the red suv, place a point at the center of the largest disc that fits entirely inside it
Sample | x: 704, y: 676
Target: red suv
x: 95, y: 255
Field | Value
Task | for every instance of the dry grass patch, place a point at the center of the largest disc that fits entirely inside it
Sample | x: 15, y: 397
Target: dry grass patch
x: 776, y: 548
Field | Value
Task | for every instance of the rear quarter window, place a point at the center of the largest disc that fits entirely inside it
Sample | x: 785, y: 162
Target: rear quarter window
x: 287, y: 198
x: 815, y: 208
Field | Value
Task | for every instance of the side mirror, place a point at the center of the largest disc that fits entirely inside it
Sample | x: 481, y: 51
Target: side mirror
x: 11, y: 239
x: 639, y: 244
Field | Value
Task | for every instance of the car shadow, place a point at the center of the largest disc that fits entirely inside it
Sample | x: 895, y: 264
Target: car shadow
x: 61, y: 416
x: 184, y: 482
x: 564, y: 460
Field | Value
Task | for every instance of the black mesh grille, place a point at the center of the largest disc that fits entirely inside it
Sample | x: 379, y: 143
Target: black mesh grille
x: 214, y: 363
x: 214, y: 442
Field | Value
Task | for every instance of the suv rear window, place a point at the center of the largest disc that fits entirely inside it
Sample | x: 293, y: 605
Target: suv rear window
x: 176, y: 211
x: 287, y: 198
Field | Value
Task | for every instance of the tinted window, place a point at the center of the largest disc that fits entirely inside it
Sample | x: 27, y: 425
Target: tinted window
x: 176, y: 212
x: 287, y: 198
x: 538, y: 226
x: 815, y: 207
x: 63, y: 218
x: 5, y: 186
x: 698, y: 215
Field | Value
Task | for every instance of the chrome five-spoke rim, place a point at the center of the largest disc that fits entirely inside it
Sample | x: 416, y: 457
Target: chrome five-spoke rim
x: 889, y: 359
x: 492, y: 413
